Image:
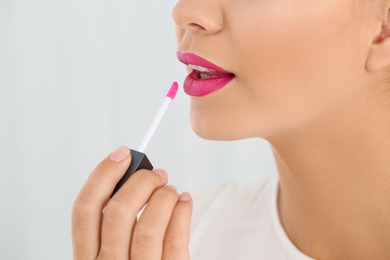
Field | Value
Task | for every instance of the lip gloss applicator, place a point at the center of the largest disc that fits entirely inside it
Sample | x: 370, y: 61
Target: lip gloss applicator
x: 139, y: 159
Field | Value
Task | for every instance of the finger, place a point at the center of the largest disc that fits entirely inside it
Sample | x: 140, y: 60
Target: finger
x: 150, y: 230
x: 87, y: 208
x: 120, y: 213
x: 177, y: 235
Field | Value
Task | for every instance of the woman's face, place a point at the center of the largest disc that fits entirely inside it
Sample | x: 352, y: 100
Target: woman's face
x: 296, y: 62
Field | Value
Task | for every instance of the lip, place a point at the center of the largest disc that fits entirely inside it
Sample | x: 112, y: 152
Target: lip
x: 195, y: 86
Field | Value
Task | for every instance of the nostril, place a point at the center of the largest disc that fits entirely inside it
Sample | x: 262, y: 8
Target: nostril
x: 196, y: 26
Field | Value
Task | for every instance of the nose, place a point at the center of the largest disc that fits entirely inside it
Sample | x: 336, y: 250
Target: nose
x: 198, y: 16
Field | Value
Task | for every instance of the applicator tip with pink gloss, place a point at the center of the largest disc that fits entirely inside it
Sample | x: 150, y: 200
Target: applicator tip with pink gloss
x: 173, y: 90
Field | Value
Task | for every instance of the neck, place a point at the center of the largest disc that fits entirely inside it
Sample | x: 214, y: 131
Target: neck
x: 334, y: 198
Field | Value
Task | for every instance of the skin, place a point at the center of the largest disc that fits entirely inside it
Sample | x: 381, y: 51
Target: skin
x: 104, y: 228
x: 311, y: 78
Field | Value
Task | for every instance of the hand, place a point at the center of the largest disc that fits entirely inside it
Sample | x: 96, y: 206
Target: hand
x: 104, y: 228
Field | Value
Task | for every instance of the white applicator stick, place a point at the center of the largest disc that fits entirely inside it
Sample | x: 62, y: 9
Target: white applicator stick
x: 169, y: 97
x: 139, y: 160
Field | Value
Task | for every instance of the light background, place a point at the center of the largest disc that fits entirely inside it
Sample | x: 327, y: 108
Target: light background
x: 78, y: 78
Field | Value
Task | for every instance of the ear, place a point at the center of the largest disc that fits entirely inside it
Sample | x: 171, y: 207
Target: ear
x: 379, y: 54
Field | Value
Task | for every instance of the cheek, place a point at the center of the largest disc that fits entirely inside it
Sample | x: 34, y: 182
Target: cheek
x: 294, y: 63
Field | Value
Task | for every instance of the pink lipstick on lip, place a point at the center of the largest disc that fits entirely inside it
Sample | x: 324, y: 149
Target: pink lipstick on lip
x: 205, y: 77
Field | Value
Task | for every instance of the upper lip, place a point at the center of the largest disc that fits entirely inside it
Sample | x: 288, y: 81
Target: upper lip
x: 192, y: 59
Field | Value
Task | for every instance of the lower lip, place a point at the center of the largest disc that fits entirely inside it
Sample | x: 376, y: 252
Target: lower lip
x: 196, y: 87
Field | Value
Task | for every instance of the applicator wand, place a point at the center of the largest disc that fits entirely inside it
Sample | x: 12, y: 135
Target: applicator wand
x: 139, y: 159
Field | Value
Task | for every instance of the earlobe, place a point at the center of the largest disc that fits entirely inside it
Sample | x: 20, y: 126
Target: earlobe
x: 379, y: 55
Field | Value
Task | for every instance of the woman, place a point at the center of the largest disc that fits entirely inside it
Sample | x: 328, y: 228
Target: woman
x: 310, y: 77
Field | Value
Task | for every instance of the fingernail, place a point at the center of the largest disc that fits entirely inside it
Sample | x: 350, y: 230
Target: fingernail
x: 185, y: 196
x: 171, y: 187
x: 120, y: 154
x: 161, y: 172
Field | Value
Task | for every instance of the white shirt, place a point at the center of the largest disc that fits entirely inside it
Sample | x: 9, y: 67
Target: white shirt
x: 240, y: 222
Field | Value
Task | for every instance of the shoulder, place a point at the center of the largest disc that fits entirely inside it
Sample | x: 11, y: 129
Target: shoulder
x: 232, y: 196
x: 232, y: 218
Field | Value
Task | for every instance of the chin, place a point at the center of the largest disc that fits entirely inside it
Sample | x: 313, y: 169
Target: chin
x: 218, y: 132
x: 210, y: 135
x: 225, y: 121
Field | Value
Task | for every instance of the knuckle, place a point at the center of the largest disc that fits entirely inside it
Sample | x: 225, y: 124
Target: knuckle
x: 175, y: 243
x: 80, y: 208
x: 77, y: 209
x: 145, y: 235
x: 165, y: 194
x: 172, y: 194
x: 116, y: 210
x: 142, y: 176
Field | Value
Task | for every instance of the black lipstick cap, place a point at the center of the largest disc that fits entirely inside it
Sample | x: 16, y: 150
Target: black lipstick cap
x: 138, y: 161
